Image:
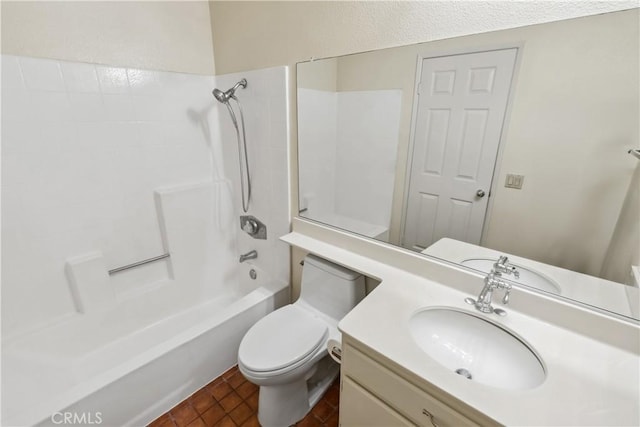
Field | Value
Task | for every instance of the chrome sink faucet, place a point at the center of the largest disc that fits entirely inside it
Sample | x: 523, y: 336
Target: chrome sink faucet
x: 503, y: 266
x: 492, y: 282
x: 249, y: 255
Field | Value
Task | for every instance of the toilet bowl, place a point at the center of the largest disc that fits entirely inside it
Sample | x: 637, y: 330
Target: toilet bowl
x: 285, y: 353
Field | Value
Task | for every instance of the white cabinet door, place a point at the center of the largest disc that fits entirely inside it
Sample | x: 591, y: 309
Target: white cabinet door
x: 396, y: 394
x: 360, y: 408
x: 462, y: 100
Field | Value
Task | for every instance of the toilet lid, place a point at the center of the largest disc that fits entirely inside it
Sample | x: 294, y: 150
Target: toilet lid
x: 281, y: 339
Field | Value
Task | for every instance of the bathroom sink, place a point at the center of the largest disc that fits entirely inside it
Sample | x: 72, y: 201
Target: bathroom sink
x: 527, y: 276
x: 476, y: 349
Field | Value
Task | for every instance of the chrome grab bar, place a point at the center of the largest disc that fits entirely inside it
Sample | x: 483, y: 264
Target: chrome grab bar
x: 139, y: 263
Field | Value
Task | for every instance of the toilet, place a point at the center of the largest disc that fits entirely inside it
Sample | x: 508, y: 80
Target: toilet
x: 285, y: 353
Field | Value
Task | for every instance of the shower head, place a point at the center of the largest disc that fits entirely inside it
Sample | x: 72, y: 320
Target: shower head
x: 224, y: 96
x: 220, y: 95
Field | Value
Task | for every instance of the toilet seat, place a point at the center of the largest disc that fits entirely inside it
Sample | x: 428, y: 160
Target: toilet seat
x: 281, y: 341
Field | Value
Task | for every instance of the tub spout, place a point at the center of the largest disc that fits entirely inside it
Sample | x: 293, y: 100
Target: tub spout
x: 249, y: 255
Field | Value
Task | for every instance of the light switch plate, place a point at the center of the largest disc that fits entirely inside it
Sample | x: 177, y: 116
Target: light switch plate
x: 514, y: 181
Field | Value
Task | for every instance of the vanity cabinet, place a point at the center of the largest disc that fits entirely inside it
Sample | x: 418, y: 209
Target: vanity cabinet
x: 358, y: 407
x: 373, y: 394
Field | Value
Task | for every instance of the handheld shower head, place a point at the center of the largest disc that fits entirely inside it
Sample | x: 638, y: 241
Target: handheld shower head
x: 224, y: 97
x: 220, y: 95
x: 245, y: 178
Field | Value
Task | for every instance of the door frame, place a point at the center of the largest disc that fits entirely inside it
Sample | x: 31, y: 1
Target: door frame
x: 420, y: 57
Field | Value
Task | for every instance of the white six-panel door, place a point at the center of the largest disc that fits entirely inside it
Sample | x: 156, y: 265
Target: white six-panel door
x: 461, y: 107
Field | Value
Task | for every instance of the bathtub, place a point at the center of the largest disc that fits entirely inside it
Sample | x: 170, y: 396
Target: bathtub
x: 130, y: 364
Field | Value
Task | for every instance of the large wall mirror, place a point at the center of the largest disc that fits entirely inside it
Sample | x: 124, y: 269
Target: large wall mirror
x: 520, y: 142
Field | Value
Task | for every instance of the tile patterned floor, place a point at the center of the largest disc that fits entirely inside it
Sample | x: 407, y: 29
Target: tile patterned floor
x: 232, y: 401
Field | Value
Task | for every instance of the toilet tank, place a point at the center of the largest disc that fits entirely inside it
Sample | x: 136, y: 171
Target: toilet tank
x: 330, y: 288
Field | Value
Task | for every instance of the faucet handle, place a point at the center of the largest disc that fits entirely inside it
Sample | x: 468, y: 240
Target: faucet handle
x: 501, y: 284
x: 507, y: 291
x: 505, y: 299
x: 502, y: 260
x: 250, y: 226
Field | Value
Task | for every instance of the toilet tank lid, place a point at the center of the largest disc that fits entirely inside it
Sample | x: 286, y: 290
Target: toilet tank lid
x: 329, y: 267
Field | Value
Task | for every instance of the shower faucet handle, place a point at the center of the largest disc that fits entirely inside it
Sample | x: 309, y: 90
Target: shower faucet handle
x: 250, y: 226
x: 253, y: 227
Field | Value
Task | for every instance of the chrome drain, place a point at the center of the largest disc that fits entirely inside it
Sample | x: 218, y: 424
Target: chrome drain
x: 464, y: 373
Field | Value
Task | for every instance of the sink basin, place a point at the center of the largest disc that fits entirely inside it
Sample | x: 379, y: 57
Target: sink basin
x: 476, y: 349
x: 527, y: 276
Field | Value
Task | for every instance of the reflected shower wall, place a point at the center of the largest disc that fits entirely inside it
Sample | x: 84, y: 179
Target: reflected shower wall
x: 623, y: 253
x: 352, y: 158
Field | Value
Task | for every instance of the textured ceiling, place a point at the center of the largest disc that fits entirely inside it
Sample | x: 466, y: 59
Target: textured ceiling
x: 249, y: 35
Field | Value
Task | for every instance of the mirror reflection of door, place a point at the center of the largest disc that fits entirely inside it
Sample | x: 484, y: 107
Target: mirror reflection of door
x: 461, y: 105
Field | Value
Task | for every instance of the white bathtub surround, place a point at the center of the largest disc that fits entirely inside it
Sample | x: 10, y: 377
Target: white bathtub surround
x: 356, y: 135
x: 624, y: 248
x: 83, y: 150
x: 317, y: 122
x: 105, y: 166
x: 198, y: 231
x: 89, y: 282
x: 266, y: 112
x: 203, y: 248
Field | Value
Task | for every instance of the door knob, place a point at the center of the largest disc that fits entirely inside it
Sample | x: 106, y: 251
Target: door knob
x: 480, y: 193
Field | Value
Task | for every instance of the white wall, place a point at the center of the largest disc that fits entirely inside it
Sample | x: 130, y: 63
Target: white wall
x: 85, y: 146
x: 159, y: 35
x: 321, y: 75
x: 574, y: 117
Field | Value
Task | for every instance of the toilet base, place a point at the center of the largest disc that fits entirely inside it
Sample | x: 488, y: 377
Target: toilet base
x: 326, y: 373
x: 286, y: 404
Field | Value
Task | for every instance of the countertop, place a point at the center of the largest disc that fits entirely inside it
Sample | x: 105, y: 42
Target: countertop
x: 587, y: 382
x: 592, y: 361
